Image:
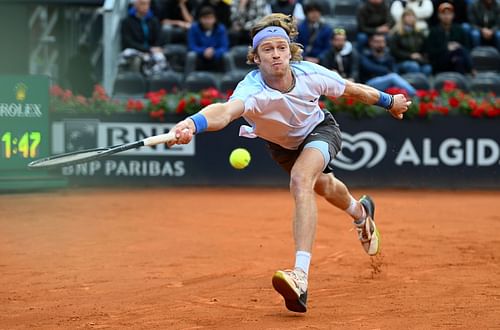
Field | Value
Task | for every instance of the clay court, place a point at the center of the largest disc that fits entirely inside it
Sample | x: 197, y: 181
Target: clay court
x: 203, y: 258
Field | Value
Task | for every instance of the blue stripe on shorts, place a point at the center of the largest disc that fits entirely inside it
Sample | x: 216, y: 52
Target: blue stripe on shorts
x: 322, y: 146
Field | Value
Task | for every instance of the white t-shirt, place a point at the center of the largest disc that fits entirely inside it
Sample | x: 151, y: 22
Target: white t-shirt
x: 286, y: 118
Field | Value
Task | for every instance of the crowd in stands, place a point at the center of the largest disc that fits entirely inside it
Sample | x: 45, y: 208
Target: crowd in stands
x: 393, y: 38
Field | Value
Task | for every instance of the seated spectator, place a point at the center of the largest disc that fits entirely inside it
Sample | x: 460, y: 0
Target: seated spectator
x: 175, y: 17
x: 244, y: 14
x: 222, y: 10
x: 314, y: 34
x: 377, y: 67
x: 373, y: 16
x: 460, y: 16
x: 447, y: 42
x: 484, y: 17
x: 209, y: 40
x: 141, y: 39
x: 289, y: 7
x: 423, y: 10
x: 341, y: 56
x: 407, y: 45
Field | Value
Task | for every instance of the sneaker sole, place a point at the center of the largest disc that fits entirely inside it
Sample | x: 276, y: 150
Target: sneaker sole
x: 377, y: 235
x: 371, y: 207
x: 292, y: 301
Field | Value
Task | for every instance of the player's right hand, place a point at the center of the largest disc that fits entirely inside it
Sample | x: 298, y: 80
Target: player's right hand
x: 400, y: 106
x: 184, y: 131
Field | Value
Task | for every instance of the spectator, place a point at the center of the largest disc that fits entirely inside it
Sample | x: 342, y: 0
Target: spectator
x: 460, y: 7
x: 141, y: 39
x: 175, y: 17
x: 423, y: 10
x: 373, y: 16
x: 289, y: 7
x: 377, y: 66
x: 484, y: 17
x: 407, y: 45
x: 222, y: 9
x: 209, y: 40
x: 342, y: 56
x: 314, y: 34
x: 447, y: 44
x: 244, y: 14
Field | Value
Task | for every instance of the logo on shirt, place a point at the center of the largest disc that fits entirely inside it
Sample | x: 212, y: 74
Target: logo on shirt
x: 360, y: 150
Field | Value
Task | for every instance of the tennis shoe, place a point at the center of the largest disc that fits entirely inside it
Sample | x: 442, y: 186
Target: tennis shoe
x: 368, y: 233
x: 292, y: 285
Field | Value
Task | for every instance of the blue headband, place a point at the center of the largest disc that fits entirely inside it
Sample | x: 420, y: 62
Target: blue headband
x: 269, y: 32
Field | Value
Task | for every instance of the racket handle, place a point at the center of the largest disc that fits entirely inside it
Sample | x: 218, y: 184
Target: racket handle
x: 158, y: 139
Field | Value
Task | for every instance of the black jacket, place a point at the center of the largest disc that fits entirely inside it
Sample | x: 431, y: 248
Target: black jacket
x: 133, y: 35
x: 349, y: 61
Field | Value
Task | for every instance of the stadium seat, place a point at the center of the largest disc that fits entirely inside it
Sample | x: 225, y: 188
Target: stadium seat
x: 238, y: 58
x: 168, y: 80
x: 176, y: 56
x: 130, y: 84
x: 348, y: 23
x: 486, y: 82
x: 485, y: 58
x: 229, y: 81
x: 418, y: 80
x: 199, y: 80
x: 191, y: 63
x: 459, y: 79
x: 346, y: 8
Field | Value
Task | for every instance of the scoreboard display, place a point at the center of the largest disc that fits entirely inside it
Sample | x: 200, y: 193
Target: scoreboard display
x: 24, y: 121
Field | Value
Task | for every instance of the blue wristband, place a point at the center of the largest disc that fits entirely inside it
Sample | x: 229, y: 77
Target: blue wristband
x: 385, y: 100
x: 200, y: 122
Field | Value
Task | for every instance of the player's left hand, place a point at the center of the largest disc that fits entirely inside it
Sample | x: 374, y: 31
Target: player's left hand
x: 400, y: 106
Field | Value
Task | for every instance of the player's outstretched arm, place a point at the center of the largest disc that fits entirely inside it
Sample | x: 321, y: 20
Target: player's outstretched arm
x: 396, y: 105
x: 213, y: 117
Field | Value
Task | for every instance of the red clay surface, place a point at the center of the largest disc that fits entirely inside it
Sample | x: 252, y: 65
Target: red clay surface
x: 189, y: 259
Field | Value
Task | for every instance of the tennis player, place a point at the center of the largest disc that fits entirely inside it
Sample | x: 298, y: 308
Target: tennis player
x: 279, y: 100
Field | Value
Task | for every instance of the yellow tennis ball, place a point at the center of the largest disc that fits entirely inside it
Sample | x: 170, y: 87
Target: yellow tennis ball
x: 240, y: 158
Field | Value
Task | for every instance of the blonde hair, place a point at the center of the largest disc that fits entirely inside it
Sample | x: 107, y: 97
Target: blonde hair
x: 399, y: 28
x: 288, y: 23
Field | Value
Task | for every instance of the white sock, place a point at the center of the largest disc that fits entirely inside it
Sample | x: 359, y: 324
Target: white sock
x: 303, y: 260
x: 351, y: 210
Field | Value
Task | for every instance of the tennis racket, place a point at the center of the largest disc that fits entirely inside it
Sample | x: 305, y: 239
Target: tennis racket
x: 83, y: 156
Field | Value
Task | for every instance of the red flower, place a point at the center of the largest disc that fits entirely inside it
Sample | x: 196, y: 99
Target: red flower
x: 160, y: 113
x: 205, y: 101
x: 181, y: 106
x: 396, y: 90
x: 155, y: 99
x: 139, y: 105
x: 449, y: 86
x: 98, y: 89
x: 421, y: 93
x: 444, y: 110
x: 322, y: 105
x: 424, y: 108
x: 453, y: 102
x: 130, y: 104
x: 210, y: 93
x: 81, y: 99
x: 56, y: 90
x: 67, y: 95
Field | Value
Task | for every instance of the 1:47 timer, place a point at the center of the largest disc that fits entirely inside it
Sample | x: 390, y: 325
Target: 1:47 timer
x: 26, y: 145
